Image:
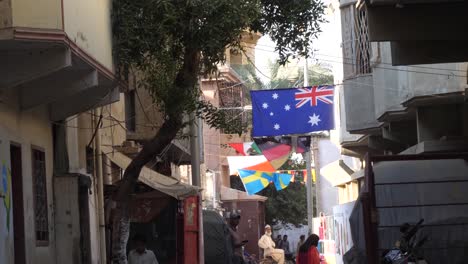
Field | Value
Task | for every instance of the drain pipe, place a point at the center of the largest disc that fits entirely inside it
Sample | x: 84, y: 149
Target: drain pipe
x: 100, y: 186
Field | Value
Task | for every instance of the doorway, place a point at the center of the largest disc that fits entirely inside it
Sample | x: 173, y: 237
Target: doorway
x: 18, y: 209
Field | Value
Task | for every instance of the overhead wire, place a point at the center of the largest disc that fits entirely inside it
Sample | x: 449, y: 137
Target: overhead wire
x: 377, y: 62
x: 393, y: 69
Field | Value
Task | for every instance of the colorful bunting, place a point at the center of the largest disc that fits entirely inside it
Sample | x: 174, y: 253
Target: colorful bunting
x: 255, y: 181
x: 246, y: 148
x: 249, y: 162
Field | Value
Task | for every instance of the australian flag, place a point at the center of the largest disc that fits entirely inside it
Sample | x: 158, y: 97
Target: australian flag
x: 292, y: 111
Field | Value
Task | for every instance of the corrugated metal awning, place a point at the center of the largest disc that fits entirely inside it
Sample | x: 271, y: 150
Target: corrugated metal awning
x: 153, y: 179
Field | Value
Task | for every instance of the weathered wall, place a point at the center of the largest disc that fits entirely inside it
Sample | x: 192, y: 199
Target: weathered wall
x: 31, y: 128
x: 359, y: 103
x: 45, y: 15
x: 394, y: 85
x: 148, y: 117
x: 5, y: 14
x: 67, y: 220
x: 113, y: 132
x: 88, y: 24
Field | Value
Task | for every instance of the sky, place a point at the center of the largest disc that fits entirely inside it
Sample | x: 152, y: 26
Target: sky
x: 327, y: 46
x: 327, y: 51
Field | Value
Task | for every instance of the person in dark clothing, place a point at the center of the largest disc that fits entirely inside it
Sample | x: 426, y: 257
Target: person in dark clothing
x: 278, y: 241
x: 308, y: 253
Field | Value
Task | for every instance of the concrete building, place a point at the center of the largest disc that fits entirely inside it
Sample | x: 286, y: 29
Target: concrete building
x: 56, y: 62
x: 410, y: 109
x: 229, y: 93
x: 404, y: 86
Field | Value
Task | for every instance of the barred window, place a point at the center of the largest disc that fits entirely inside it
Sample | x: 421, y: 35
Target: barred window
x: 356, y: 45
x: 232, y: 100
x: 41, y: 218
x: 363, y: 52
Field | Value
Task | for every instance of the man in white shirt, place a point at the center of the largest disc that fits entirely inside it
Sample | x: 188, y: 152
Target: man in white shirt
x: 141, y: 255
x: 268, y: 246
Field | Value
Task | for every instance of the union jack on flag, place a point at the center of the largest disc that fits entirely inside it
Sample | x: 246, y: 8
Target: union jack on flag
x: 314, y: 94
x: 280, y: 112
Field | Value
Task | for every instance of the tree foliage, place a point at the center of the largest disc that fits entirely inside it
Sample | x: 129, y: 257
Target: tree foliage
x: 169, y: 44
x: 288, y: 205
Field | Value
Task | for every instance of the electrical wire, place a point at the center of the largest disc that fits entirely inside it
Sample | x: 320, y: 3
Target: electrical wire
x: 393, y: 69
x: 385, y: 63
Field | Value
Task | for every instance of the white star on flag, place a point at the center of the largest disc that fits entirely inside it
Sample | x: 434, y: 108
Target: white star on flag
x: 287, y: 107
x: 276, y: 127
x: 265, y: 105
x: 271, y: 114
x: 314, y: 120
x: 275, y: 96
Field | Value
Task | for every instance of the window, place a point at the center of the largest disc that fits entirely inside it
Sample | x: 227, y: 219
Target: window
x: 356, y: 45
x: 232, y: 100
x: 235, y: 57
x: 130, y: 118
x: 41, y: 217
x: 363, y: 51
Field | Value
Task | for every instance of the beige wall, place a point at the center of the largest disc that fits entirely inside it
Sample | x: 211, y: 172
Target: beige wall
x: 113, y: 132
x: 88, y: 24
x: 46, y: 14
x: 147, y: 117
x: 5, y: 14
x: 30, y: 128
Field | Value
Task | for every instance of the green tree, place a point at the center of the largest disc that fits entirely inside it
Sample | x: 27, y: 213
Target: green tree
x: 288, y: 205
x: 283, y: 76
x: 170, y: 43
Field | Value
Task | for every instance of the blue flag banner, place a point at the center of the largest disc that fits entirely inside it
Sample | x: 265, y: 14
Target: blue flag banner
x: 255, y: 181
x: 292, y: 111
x: 281, y: 180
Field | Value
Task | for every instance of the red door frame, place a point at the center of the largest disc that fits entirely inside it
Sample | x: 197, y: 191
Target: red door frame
x: 191, y: 230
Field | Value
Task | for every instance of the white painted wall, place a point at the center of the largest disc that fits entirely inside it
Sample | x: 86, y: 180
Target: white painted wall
x: 292, y: 232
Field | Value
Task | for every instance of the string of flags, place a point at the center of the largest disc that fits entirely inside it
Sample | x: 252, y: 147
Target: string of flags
x: 255, y: 181
x: 260, y: 160
x: 277, y: 113
x: 265, y: 154
x: 295, y: 173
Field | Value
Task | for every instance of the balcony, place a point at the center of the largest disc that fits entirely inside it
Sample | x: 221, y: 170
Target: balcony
x: 416, y: 36
x: 59, y: 54
x: 395, y: 86
x: 359, y: 104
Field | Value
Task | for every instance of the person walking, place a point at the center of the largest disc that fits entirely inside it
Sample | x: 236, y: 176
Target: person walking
x: 237, y: 244
x: 268, y: 246
x: 141, y: 255
x: 286, y: 248
x: 299, y: 244
x: 308, y: 253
